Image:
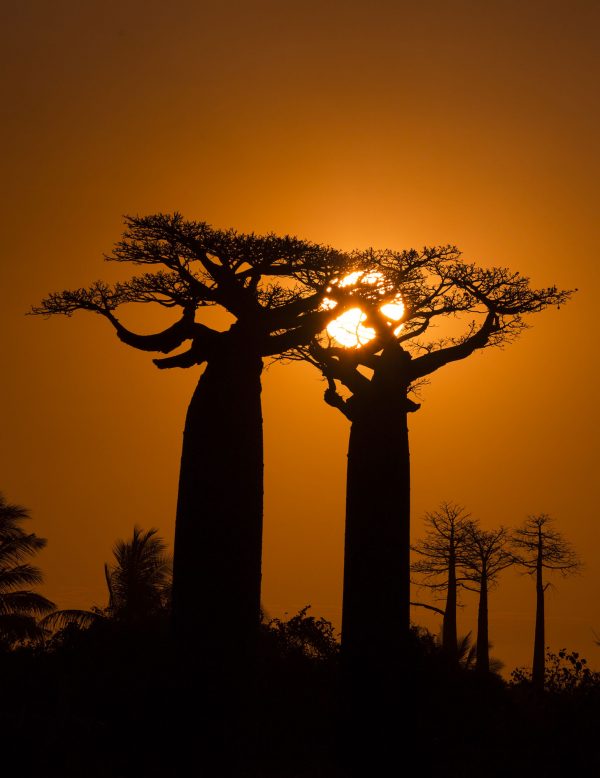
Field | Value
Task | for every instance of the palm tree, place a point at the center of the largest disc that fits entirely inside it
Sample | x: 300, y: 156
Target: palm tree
x: 139, y: 583
x: 19, y: 607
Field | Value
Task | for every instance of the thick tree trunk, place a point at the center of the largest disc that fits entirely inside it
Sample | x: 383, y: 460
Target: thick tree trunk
x: 449, y: 629
x: 218, y: 535
x: 375, y: 613
x: 483, y: 650
x: 539, y: 644
x: 376, y: 598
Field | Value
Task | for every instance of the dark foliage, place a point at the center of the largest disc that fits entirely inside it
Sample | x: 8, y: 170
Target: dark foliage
x: 113, y: 701
x: 20, y: 607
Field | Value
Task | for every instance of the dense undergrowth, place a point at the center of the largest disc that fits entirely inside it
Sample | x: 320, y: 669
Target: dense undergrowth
x: 117, y: 702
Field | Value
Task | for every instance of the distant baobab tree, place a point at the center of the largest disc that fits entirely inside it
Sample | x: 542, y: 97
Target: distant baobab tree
x: 379, y: 352
x: 537, y: 546
x: 272, y: 288
x: 441, y: 554
x: 485, y: 556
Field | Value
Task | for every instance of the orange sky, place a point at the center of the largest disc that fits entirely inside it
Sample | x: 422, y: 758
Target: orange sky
x: 390, y: 124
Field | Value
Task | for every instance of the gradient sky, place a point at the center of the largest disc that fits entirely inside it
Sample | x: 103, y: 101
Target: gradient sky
x: 390, y: 124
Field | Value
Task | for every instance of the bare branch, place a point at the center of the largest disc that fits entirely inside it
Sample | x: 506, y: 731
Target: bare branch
x: 535, y: 543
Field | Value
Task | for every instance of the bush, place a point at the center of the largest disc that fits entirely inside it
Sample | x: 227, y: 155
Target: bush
x: 566, y: 671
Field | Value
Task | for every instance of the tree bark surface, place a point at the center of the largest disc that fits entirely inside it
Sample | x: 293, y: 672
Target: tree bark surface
x: 218, y: 535
x: 376, y: 597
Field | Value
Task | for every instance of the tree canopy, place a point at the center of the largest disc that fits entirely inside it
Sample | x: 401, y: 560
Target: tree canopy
x: 277, y: 283
x: 450, y: 308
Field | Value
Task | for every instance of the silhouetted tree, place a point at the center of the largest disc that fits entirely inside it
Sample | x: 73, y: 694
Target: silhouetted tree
x: 537, y: 546
x: 272, y: 288
x: 139, y: 581
x: 440, y: 556
x: 19, y: 608
x: 139, y: 584
x: 434, y: 285
x: 484, y: 556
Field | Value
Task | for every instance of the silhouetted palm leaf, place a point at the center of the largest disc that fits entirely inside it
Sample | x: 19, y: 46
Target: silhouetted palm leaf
x: 139, y: 582
x: 80, y: 618
x: 19, y: 608
x: 466, y: 651
x: 19, y: 575
x: 16, y: 628
x: 13, y: 549
x: 26, y: 602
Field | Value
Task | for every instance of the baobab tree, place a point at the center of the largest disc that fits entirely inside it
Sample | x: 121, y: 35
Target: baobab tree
x: 272, y: 288
x: 441, y: 554
x: 378, y: 352
x: 485, y: 555
x: 537, y: 546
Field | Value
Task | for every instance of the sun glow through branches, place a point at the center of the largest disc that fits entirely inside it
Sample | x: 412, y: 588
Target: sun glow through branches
x: 349, y: 329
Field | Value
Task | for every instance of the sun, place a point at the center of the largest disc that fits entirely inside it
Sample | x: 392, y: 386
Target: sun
x: 348, y: 329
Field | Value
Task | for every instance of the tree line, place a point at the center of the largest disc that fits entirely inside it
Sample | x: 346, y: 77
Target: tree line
x: 62, y: 671
x: 457, y: 553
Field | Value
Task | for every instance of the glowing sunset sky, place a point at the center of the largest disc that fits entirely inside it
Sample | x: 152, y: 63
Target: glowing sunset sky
x: 386, y: 124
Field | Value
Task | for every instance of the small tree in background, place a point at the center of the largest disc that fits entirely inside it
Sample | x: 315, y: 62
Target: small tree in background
x: 441, y: 554
x: 484, y: 556
x: 537, y: 546
x: 20, y: 607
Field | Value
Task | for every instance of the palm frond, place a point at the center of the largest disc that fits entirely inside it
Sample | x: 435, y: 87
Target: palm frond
x: 19, y: 628
x: 19, y: 575
x: 25, y: 602
x: 63, y: 618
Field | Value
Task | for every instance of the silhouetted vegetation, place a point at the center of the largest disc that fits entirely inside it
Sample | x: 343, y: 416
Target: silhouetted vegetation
x: 108, y: 692
x: 109, y: 701
x: 139, y: 584
x: 440, y: 555
x: 272, y: 288
x: 107, y: 698
x: 537, y: 546
x: 489, y: 307
x: 20, y: 608
x: 484, y: 557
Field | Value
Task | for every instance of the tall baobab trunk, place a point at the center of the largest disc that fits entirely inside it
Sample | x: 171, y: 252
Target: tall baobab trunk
x: 483, y: 651
x: 449, y: 630
x: 375, y: 611
x: 218, y: 536
x: 376, y: 596
x: 539, y: 644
